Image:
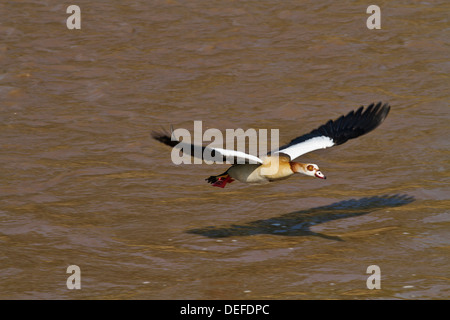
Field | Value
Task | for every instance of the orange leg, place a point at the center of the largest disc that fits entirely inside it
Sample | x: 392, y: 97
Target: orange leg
x: 222, y: 181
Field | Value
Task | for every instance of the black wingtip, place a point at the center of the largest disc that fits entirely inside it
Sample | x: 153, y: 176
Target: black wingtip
x: 358, y: 123
x: 164, y: 137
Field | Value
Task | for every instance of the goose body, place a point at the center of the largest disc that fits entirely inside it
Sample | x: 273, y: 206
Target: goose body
x: 279, y: 164
x: 273, y: 168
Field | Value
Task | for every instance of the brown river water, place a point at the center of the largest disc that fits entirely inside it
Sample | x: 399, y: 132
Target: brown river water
x: 83, y: 183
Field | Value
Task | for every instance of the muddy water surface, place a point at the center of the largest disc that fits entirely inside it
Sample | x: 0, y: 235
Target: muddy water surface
x: 82, y: 183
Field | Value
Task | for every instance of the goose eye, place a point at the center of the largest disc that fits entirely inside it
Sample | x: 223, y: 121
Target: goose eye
x: 310, y: 168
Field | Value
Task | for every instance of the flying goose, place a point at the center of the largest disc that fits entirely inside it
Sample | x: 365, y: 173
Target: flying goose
x: 279, y: 164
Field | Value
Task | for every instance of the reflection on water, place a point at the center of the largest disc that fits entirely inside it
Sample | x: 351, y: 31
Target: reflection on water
x: 298, y: 223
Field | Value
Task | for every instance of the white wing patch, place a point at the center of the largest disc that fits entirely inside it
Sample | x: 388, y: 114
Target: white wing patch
x: 220, y: 153
x: 238, y: 155
x: 309, y: 145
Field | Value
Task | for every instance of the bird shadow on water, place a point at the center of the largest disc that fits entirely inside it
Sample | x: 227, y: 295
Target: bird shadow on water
x: 298, y: 223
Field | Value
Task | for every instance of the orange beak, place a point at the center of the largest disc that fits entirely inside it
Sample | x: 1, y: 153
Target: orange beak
x: 320, y: 175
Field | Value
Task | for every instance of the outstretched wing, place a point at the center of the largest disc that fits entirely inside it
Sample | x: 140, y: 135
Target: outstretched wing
x: 339, y: 131
x: 207, y: 153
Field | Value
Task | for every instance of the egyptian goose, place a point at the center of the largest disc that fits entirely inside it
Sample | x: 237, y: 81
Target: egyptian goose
x: 279, y: 164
